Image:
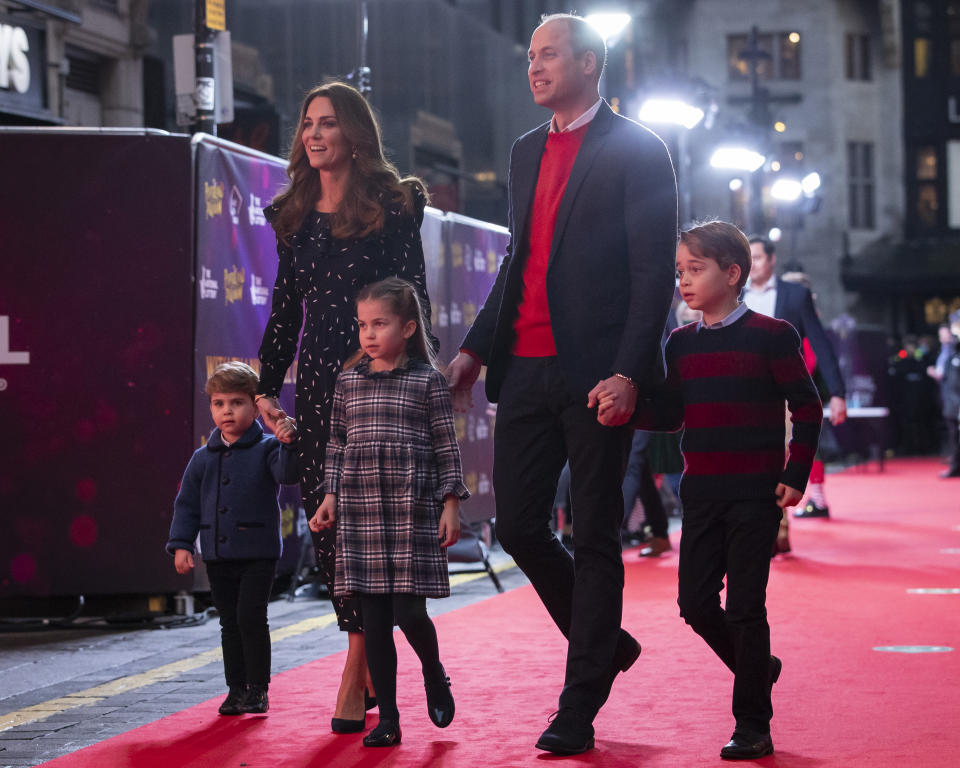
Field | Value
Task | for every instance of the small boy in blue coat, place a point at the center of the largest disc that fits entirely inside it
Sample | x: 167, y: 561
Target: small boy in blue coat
x: 228, y: 496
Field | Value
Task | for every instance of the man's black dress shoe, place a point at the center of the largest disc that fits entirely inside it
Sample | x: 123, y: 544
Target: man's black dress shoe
x: 776, y: 666
x: 747, y: 747
x: 386, y: 734
x: 233, y: 704
x: 568, y: 734
x: 256, y: 702
x: 812, y: 510
x: 440, y: 704
x: 342, y: 725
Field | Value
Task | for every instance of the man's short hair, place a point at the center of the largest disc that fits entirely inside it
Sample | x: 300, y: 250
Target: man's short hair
x: 583, y: 36
x: 721, y: 241
x: 768, y: 247
x: 233, y: 377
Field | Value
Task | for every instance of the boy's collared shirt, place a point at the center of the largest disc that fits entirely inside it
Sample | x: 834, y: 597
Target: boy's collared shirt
x: 728, y: 320
x: 762, y: 300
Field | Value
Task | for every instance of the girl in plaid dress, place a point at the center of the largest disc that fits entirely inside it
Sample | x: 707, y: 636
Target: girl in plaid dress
x: 393, y: 485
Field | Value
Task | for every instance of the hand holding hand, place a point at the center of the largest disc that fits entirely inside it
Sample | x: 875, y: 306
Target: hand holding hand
x: 271, y: 412
x: 326, y: 514
x: 286, y: 430
x: 183, y: 561
x: 787, y: 496
x: 462, y: 374
x: 614, y: 398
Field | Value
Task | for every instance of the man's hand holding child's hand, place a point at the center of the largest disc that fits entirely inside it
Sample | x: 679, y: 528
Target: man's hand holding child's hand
x: 286, y: 430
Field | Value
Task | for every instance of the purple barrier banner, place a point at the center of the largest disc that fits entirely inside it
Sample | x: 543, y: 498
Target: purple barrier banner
x: 236, y: 265
x: 473, y: 253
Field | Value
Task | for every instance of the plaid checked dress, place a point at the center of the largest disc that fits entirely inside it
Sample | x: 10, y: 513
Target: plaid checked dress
x: 392, y: 458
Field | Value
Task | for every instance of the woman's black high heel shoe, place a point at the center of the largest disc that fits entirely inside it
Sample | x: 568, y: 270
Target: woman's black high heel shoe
x: 386, y: 734
x: 341, y: 725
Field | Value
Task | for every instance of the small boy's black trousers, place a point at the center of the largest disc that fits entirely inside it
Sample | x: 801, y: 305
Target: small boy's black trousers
x: 732, y: 538
x: 241, y: 591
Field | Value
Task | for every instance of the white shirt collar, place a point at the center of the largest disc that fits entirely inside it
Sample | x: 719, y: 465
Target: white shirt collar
x: 770, y: 285
x: 581, y: 121
x: 728, y: 320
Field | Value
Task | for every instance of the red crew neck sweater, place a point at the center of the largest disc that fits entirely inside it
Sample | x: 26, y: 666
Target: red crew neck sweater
x: 532, y: 326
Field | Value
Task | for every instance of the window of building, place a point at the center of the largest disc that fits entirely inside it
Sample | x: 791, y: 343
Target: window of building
x: 926, y: 174
x: 791, y: 157
x: 860, y: 184
x: 857, y: 57
x: 777, y: 56
x: 922, y: 57
x: 953, y: 35
x: 953, y: 184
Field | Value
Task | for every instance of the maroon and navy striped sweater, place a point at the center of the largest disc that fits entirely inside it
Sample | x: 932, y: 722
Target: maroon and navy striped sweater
x: 726, y: 387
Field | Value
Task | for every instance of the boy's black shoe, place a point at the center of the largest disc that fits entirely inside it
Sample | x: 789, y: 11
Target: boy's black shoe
x: 440, y: 705
x: 567, y: 734
x: 812, y: 510
x: 256, y: 702
x: 233, y: 704
x: 386, y: 734
x: 747, y: 747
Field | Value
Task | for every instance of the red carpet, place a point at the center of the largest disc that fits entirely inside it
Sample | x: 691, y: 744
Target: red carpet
x: 838, y: 703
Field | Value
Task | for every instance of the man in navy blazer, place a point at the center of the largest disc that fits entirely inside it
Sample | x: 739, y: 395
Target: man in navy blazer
x: 793, y: 302
x: 581, y: 299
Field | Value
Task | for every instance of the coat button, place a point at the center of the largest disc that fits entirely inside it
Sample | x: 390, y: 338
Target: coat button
x: 222, y: 539
x: 226, y: 481
x: 222, y: 510
x: 226, y: 453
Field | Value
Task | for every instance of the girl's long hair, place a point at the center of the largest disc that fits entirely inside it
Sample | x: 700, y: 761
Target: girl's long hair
x: 402, y: 300
x: 373, y: 181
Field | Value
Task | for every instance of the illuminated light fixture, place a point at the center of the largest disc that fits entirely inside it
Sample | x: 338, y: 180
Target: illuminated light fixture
x: 736, y: 184
x: 774, y: 235
x: 798, y: 156
x: 779, y: 126
x: 810, y: 183
x: 671, y: 111
x: 775, y: 166
x: 786, y: 190
x: 794, y: 37
x: 737, y: 159
x: 609, y: 25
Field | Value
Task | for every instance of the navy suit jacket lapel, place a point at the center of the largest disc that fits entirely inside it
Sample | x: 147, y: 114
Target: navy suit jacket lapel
x: 592, y: 142
x: 781, y: 301
x: 526, y: 182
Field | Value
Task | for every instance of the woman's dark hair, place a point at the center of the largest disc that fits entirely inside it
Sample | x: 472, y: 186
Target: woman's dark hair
x: 402, y: 299
x: 373, y: 182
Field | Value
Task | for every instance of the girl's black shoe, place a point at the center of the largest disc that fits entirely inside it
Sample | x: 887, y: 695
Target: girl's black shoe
x: 386, y: 734
x: 440, y: 704
x: 233, y: 704
x: 256, y: 702
x: 342, y: 725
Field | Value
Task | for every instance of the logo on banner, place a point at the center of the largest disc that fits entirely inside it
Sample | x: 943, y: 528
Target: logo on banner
x: 236, y: 204
x: 479, y: 261
x: 208, y: 286
x: 259, y: 293
x: 6, y: 356
x: 213, y: 197
x: 469, y: 312
x: 255, y: 212
x: 233, y: 281
x: 456, y: 316
x: 456, y: 255
x: 443, y: 317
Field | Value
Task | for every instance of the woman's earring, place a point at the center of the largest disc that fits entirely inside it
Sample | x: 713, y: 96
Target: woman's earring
x: 355, y: 153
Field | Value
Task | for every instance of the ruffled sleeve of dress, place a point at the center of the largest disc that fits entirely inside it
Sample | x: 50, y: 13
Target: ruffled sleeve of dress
x: 444, y: 434
x: 282, y: 333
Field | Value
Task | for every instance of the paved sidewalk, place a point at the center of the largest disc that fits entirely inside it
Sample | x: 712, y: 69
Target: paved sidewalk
x: 97, y: 684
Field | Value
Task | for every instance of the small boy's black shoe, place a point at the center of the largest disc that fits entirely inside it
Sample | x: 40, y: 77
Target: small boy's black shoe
x: 812, y: 510
x: 386, y: 734
x: 742, y: 747
x: 256, y: 702
x: 233, y: 704
x: 440, y: 705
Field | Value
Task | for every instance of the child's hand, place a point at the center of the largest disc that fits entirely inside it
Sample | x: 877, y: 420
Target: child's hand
x: 286, y: 430
x: 449, y: 530
x: 183, y: 561
x: 787, y: 496
x: 614, y: 398
x: 326, y: 514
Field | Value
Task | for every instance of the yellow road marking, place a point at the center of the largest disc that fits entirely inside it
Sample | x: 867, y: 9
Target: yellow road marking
x: 159, y: 674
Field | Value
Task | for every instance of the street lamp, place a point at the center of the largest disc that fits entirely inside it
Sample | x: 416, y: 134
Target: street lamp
x: 786, y: 190
x: 737, y: 159
x: 609, y: 25
x: 670, y: 112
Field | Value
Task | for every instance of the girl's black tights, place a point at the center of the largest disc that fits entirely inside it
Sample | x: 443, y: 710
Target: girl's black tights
x: 409, y: 612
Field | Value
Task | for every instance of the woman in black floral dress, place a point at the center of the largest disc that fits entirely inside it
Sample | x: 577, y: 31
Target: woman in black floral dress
x: 346, y: 219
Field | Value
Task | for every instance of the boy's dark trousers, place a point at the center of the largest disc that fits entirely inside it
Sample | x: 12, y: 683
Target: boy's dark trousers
x: 539, y: 426
x: 241, y: 590
x: 733, y: 538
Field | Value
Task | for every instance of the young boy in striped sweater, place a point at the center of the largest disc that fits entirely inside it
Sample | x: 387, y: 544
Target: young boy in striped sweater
x: 728, y: 377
